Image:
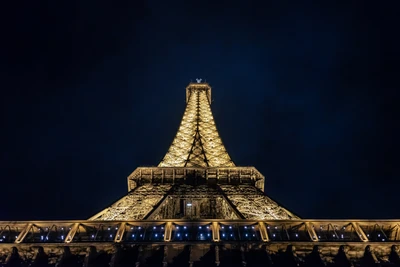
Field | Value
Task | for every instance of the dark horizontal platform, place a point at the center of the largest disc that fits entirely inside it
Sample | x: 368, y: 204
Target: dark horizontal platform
x: 199, y: 231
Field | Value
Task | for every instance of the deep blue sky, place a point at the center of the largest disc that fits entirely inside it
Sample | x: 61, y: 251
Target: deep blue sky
x: 308, y: 94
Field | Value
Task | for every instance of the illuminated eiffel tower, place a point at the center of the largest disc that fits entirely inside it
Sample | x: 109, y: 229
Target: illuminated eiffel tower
x: 197, y: 179
x: 197, y: 208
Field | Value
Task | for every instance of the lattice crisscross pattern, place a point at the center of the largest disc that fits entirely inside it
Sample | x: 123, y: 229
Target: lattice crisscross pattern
x: 197, y: 143
x: 136, y: 205
x: 254, y: 205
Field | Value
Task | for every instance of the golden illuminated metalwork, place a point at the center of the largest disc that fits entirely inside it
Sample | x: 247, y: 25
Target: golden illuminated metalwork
x: 197, y: 143
x: 196, y: 208
x: 196, y: 158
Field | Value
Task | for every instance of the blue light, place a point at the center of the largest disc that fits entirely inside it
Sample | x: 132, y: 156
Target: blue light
x: 133, y: 235
x: 230, y: 227
x: 245, y: 227
x: 154, y: 227
x: 92, y: 236
x: 141, y: 235
x: 199, y: 227
x: 41, y: 237
x: 246, y: 234
x: 139, y: 227
x: 62, y: 237
x: 110, y: 235
x: 156, y: 235
x: 179, y: 235
x: 185, y: 234
x: 177, y: 227
x: 208, y: 234
x: 184, y: 227
x: 231, y: 234
x: 223, y: 234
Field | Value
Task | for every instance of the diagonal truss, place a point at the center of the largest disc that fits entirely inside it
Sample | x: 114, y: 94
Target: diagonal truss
x: 254, y: 205
x: 136, y: 205
x: 197, y: 142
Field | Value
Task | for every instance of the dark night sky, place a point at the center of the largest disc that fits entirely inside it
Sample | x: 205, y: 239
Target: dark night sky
x: 306, y: 94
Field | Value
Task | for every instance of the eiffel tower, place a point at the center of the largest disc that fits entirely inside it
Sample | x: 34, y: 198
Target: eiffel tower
x: 197, y: 178
x: 197, y: 208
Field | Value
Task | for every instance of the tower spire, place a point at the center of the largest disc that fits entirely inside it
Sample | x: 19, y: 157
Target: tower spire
x: 197, y: 142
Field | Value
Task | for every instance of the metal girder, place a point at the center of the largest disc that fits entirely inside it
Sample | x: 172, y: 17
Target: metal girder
x: 120, y: 234
x: 263, y: 232
x: 215, y: 232
x: 360, y: 232
x: 23, y: 234
x: 72, y: 232
x: 168, y: 231
x: 311, y: 232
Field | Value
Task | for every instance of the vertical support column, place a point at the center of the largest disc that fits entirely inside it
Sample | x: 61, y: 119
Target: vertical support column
x: 217, y: 261
x: 72, y: 233
x: 215, y: 231
x: 23, y: 234
x: 263, y: 232
x: 168, y: 232
x: 165, y: 257
x: 360, y: 232
x: 190, y: 256
x: 242, y: 252
x: 396, y: 234
x: 311, y: 232
x: 139, y: 258
x: 120, y: 233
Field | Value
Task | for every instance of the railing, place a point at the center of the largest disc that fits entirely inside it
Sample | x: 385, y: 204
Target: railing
x: 176, y: 175
x: 199, y: 231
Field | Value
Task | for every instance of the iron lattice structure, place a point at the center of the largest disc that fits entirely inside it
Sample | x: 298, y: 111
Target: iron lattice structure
x: 197, y: 178
x: 196, y: 208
